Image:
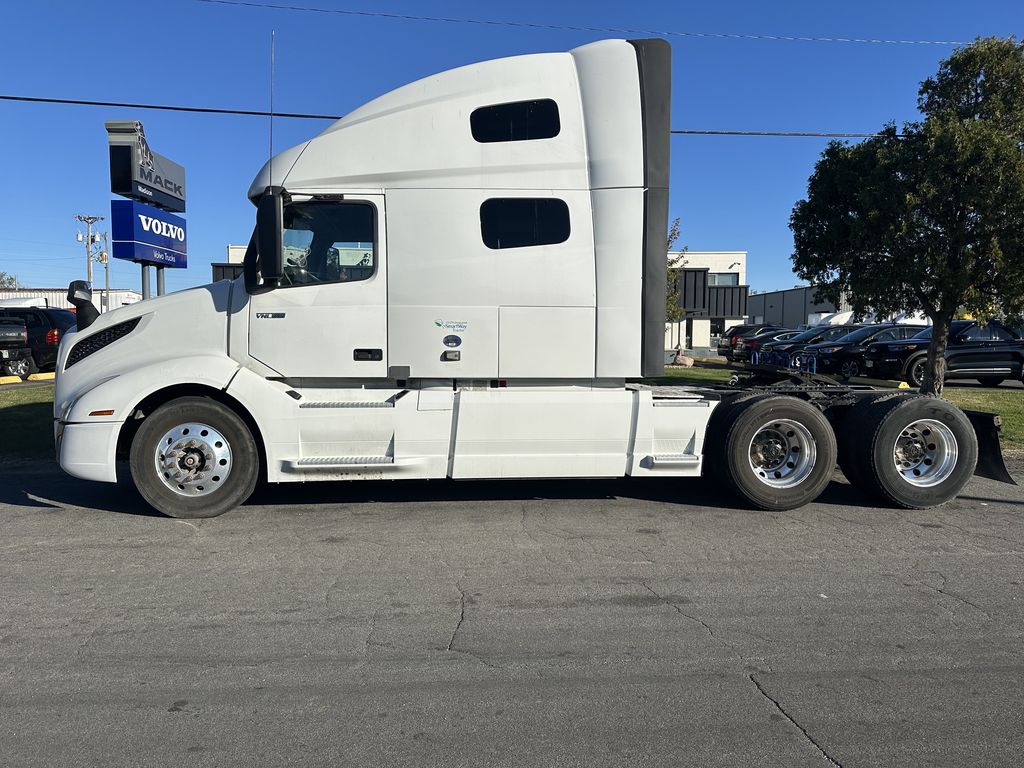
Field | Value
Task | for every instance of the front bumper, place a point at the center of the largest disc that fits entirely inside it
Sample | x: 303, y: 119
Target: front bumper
x: 87, y: 451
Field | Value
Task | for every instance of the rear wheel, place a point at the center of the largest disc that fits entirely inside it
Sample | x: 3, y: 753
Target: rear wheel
x: 991, y: 381
x: 774, y: 451
x: 18, y: 367
x: 914, y: 451
x: 194, y: 457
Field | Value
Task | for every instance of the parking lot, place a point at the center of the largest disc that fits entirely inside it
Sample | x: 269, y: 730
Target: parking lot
x: 508, y: 623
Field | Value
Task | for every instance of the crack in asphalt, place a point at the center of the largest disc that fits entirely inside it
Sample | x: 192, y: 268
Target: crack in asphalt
x: 462, y: 615
x: 683, y: 613
x: 789, y: 717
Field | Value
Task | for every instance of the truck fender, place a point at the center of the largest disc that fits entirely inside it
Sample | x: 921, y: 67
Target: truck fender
x: 122, y: 394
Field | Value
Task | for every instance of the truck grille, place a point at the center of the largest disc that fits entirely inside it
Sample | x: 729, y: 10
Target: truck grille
x: 98, y: 341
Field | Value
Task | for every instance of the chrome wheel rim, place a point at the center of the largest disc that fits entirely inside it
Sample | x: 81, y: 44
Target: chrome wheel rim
x: 18, y: 367
x: 193, y: 459
x: 782, y: 453
x: 925, y: 453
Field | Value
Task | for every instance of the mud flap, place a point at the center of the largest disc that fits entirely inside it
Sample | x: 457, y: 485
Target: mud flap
x: 987, y: 427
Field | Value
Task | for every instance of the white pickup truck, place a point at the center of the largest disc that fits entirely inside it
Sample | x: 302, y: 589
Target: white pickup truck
x: 460, y: 279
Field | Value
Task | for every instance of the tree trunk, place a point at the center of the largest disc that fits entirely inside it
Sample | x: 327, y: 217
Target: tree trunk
x: 935, y: 365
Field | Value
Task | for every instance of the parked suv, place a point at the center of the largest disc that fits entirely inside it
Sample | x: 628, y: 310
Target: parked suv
x: 45, y: 326
x: 735, y: 332
x: 845, y: 355
x: 989, y: 352
x: 14, y: 351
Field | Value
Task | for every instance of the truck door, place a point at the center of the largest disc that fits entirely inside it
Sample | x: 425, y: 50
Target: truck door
x: 328, y: 316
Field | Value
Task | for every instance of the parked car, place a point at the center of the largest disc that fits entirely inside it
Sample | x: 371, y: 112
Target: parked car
x: 990, y: 353
x: 798, y: 343
x: 14, y: 351
x: 733, y: 333
x: 45, y: 326
x: 845, y: 355
x: 746, y: 346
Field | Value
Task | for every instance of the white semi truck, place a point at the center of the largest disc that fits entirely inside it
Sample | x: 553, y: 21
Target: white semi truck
x: 459, y: 280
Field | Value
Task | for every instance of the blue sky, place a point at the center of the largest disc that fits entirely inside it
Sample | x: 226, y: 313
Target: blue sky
x: 731, y: 193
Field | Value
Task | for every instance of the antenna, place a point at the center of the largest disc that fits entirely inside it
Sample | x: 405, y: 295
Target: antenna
x: 272, y: 41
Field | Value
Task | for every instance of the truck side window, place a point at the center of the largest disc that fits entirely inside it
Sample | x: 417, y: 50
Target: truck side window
x: 328, y: 242
x: 518, y: 222
x: 515, y: 121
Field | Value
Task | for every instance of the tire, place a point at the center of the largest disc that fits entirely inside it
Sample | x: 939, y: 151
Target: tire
x: 217, y: 463
x: 20, y: 368
x: 851, y: 461
x: 933, y: 441
x: 991, y: 381
x: 913, y: 374
x: 754, y: 440
x: 849, y: 369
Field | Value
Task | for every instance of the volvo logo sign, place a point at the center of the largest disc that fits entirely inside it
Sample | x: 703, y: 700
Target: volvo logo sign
x: 147, y: 235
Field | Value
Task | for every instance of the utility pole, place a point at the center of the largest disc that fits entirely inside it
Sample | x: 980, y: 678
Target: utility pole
x: 89, y: 240
x: 104, y: 259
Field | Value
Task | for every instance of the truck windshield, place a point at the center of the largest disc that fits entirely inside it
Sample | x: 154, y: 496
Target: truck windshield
x: 328, y: 242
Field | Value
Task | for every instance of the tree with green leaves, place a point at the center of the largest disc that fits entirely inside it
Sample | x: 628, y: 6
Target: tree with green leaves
x: 673, y: 312
x: 929, y: 219
x: 8, y: 281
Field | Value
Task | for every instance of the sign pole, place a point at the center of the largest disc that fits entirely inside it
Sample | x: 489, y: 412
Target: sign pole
x: 159, y: 281
x: 145, y: 280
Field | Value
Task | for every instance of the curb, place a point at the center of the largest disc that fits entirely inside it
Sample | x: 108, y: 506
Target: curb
x: 42, y: 376
x: 10, y: 379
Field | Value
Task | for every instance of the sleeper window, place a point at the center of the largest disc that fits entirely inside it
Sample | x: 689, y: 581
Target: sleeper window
x: 518, y: 222
x: 516, y: 121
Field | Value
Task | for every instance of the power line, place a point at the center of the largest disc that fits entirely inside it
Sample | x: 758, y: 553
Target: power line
x: 575, y: 28
x: 307, y: 116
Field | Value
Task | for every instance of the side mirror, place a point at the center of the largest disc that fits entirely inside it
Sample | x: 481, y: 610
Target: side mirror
x: 270, y: 233
x: 80, y: 296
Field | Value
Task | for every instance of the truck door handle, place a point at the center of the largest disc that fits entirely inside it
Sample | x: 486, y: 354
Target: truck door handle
x: 367, y: 354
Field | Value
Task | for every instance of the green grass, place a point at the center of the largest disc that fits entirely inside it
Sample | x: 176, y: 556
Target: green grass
x: 1008, y: 403
x: 26, y: 413
x: 26, y: 422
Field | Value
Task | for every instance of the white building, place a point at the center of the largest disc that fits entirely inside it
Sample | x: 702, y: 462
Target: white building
x: 724, y: 299
x: 58, y: 297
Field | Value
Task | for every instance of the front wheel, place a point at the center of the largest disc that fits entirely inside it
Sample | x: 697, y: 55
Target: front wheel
x: 915, y: 371
x: 849, y: 369
x: 776, y: 452
x: 194, y: 457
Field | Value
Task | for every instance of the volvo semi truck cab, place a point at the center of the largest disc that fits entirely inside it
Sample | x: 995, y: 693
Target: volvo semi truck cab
x: 460, y: 279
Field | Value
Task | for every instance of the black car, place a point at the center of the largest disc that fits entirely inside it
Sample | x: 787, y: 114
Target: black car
x: 845, y: 355
x: 815, y: 335
x: 989, y: 352
x: 747, y: 345
x: 735, y: 332
x: 45, y: 327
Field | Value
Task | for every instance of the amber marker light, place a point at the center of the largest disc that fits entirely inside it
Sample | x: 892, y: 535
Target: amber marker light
x: 102, y: 413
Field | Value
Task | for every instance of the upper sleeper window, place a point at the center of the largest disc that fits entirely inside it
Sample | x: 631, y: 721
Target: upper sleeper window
x: 518, y: 222
x: 516, y: 121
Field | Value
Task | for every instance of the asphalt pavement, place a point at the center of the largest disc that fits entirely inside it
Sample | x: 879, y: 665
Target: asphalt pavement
x: 514, y: 623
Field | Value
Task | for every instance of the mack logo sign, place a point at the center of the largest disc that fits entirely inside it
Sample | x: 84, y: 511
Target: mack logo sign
x: 148, y: 235
x: 136, y: 171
